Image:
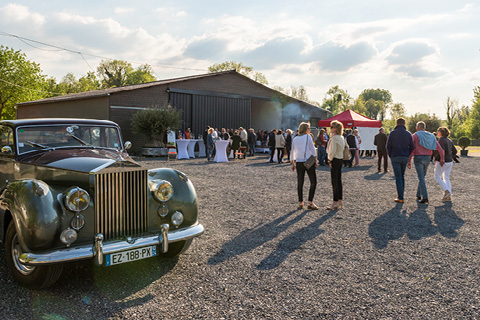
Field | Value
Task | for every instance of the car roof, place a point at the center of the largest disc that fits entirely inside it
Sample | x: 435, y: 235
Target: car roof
x: 46, y: 121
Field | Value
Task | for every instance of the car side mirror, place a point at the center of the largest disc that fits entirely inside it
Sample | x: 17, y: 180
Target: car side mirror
x: 127, y: 145
x: 7, y: 150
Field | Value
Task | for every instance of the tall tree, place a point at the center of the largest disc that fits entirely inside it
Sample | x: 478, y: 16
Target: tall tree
x: 142, y: 74
x: 471, y: 126
x: 21, y: 80
x: 113, y: 73
x: 336, y: 100
x: 397, y: 110
x: 432, y: 122
x: 240, y: 68
x: 381, y: 95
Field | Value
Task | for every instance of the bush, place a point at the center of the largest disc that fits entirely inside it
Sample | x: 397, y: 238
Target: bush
x: 153, y: 123
x: 464, y: 142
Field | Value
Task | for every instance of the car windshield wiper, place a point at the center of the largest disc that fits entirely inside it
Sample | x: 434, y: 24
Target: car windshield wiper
x: 34, y: 144
x: 83, y: 143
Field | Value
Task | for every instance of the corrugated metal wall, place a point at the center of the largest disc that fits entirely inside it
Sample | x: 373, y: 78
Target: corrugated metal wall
x: 218, y: 112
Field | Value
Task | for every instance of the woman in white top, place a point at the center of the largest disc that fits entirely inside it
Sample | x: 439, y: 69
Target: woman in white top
x: 335, y: 148
x: 302, y: 149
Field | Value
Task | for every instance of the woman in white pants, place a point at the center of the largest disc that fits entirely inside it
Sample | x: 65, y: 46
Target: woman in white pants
x: 442, y: 173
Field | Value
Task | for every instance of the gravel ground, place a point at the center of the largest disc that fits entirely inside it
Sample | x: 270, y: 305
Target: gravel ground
x: 261, y: 258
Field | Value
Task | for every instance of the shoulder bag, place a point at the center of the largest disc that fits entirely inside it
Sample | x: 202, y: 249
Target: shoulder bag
x: 311, y: 160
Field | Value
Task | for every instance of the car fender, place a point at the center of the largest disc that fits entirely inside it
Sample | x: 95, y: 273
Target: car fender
x: 35, y: 210
x: 184, y: 198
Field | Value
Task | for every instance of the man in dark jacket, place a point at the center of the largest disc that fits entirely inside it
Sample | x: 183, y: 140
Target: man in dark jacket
x: 251, y: 140
x: 381, y: 142
x: 352, y: 145
x: 399, y: 147
x: 271, y: 143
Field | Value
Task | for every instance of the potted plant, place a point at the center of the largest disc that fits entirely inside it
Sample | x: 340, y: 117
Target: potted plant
x: 464, y: 142
x: 153, y: 123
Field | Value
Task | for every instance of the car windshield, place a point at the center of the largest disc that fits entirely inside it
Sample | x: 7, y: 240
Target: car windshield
x: 66, y: 136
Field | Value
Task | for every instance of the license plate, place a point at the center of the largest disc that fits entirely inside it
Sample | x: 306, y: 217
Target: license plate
x: 130, y: 255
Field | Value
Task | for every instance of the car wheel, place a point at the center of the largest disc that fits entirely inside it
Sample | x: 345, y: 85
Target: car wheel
x: 33, y: 277
x: 176, y: 248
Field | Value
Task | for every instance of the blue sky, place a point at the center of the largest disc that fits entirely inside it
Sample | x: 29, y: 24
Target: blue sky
x: 421, y: 51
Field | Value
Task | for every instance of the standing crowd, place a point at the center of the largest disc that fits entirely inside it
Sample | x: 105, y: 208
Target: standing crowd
x: 342, y: 149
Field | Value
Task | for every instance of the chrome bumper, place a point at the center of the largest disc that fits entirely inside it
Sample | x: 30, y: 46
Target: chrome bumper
x: 99, y: 249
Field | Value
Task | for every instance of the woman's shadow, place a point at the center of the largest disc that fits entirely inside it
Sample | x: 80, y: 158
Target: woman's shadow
x: 250, y: 239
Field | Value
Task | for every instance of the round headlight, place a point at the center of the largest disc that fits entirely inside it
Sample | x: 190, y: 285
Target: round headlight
x: 77, y: 222
x: 162, y: 211
x: 68, y: 236
x: 77, y: 199
x: 163, y: 191
x: 177, y: 218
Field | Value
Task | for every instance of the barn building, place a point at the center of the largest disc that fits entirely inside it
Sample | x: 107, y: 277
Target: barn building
x: 223, y: 99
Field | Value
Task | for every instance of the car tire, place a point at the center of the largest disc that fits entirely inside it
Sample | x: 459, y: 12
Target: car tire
x: 176, y: 248
x: 36, y: 277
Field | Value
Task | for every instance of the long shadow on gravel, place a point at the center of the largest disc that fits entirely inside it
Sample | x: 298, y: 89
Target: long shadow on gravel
x: 294, y: 241
x: 250, y: 239
x: 447, y: 221
x: 395, y: 223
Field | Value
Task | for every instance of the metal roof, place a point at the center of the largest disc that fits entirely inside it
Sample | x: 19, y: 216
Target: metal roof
x: 53, y: 121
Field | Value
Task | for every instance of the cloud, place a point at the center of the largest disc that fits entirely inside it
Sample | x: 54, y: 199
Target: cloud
x: 207, y: 49
x: 410, y: 52
x: 275, y: 52
x: 415, y: 58
x: 335, y: 56
x: 170, y: 13
x: 19, y: 17
x: 123, y: 10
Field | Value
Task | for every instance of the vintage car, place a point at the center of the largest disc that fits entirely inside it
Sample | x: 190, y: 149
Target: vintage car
x: 70, y: 191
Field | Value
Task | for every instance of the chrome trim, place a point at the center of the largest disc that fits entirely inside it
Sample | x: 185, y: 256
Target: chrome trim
x: 121, y: 204
x: 164, y: 237
x: 103, y: 166
x: 100, y: 249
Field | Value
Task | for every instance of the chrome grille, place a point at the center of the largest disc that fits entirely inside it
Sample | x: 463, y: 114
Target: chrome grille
x: 121, y: 204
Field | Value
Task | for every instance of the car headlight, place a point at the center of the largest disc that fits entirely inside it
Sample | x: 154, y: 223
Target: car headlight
x: 162, y: 190
x: 77, y: 199
x: 177, y: 218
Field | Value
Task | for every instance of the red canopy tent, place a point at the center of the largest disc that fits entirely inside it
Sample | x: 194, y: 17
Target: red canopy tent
x: 350, y: 119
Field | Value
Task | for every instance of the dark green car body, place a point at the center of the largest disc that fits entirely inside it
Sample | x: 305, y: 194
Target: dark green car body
x: 122, y: 214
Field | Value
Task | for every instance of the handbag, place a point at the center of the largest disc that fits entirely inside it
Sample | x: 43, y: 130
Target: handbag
x: 311, y: 160
x: 346, y: 152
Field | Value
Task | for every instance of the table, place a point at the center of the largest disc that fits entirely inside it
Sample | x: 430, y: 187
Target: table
x: 201, y: 148
x: 191, y: 147
x: 182, y: 145
x: 221, y: 151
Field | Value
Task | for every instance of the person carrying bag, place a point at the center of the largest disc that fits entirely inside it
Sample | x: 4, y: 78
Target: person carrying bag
x: 302, y: 152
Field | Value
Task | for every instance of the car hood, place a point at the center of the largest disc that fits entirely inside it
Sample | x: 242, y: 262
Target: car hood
x: 84, y: 160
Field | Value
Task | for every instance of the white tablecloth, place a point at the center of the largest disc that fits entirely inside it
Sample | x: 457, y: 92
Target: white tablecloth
x: 191, y: 147
x: 221, y: 151
x: 182, y: 145
x: 201, y: 148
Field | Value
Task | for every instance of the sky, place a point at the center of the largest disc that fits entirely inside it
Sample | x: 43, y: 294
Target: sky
x: 421, y: 51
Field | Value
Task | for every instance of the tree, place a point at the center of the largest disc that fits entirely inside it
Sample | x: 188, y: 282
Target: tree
x: 336, y: 100
x: 380, y: 95
x: 21, y: 80
x: 359, y: 106
x: 471, y: 126
x: 240, y: 68
x: 397, y: 110
x: 154, y: 122
x: 113, y: 73
x: 142, y: 74
x: 432, y: 123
